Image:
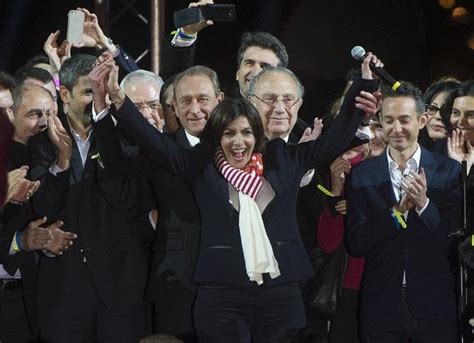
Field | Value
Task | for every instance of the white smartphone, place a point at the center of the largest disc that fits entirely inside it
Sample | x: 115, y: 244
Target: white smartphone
x: 75, y: 26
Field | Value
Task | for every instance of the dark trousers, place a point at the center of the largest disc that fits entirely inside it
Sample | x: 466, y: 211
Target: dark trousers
x: 406, y: 328
x: 14, y: 323
x: 84, y: 318
x: 232, y: 314
x: 344, y: 328
x: 173, y: 310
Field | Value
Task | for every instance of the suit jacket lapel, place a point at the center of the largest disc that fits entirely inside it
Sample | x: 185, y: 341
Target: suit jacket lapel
x: 382, y: 179
x: 76, y: 161
x: 427, y: 163
x: 182, y: 139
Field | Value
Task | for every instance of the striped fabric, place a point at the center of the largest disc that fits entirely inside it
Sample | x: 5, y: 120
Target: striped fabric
x: 248, y: 181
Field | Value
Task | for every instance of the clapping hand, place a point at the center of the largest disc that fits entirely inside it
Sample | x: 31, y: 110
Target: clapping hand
x: 415, y: 187
x: 460, y: 149
x: 20, y: 189
x: 61, y: 139
x: 311, y: 134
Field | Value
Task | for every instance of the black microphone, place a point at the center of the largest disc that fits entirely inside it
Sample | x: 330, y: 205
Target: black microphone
x: 358, y: 53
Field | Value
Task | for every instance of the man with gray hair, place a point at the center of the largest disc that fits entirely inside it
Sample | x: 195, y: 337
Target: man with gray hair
x: 143, y: 88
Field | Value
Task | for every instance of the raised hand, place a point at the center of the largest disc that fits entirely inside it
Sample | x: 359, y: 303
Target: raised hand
x: 365, y: 67
x: 61, y: 139
x: 311, y: 134
x: 99, y: 77
x: 455, y: 145
x: 369, y: 103
x: 61, y: 240
x: 338, y: 169
x: 93, y: 35
x: 194, y: 28
x: 50, y: 47
x: 156, y: 121
x: 57, y: 54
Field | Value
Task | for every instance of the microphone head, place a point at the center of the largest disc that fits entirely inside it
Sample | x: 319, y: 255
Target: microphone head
x: 358, y: 52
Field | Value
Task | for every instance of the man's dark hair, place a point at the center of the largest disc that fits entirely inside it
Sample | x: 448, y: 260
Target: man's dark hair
x: 438, y: 87
x: 263, y: 40
x: 409, y: 90
x: 464, y: 89
x: 75, y: 67
x: 199, y: 71
x: 32, y: 73
x: 225, y: 113
x: 7, y: 82
x: 37, y: 59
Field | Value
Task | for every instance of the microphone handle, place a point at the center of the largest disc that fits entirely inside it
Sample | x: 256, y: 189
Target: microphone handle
x: 384, y: 76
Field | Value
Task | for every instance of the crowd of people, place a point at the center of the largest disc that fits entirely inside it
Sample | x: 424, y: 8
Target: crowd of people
x: 156, y: 208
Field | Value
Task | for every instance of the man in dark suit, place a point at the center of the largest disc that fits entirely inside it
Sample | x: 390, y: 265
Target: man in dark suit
x: 21, y: 219
x: 94, y: 291
x: 402, y: 206
x: 197, y: 92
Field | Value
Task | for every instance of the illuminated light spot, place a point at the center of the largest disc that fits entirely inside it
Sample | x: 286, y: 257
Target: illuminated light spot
x: 461, y: 15
x: 447, y: 4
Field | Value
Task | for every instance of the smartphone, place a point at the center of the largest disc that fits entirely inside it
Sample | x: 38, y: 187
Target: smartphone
x: 75, y: 26
x: 215, y: 12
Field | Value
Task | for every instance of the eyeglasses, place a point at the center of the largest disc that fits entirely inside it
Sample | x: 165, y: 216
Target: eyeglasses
x: 271, y: 100
x: 432, y: 109
x: 152, y: 105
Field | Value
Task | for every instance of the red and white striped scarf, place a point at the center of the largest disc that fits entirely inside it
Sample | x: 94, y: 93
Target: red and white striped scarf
x: 248, y: 181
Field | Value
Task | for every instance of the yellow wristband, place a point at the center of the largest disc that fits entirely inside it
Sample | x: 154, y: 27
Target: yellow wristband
x: 324, y: 190
x: 400, y: 219
x: 16, y: 248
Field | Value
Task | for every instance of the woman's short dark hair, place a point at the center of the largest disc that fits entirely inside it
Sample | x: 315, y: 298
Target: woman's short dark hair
x: 464, y: 89
x: 225, y: 113
x: 438, y: 87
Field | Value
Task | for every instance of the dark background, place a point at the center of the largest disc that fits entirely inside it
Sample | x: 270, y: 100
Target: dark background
x: 418, y: 40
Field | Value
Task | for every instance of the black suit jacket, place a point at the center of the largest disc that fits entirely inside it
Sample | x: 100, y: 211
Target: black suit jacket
x: 100, y: 208
x: 220, y: 254
x: 175, y: 247
x: 421, y: 249
x: 47, y: 201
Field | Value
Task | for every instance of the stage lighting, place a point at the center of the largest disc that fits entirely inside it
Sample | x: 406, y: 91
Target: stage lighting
x: 447, y: 4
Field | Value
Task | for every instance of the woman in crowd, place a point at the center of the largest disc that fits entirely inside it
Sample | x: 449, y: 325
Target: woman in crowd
x: 251, y: 256
x: 458, y: 114
x: 433, y: 135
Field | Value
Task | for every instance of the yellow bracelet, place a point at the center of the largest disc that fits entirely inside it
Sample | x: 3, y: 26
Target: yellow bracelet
x: 400, y: 219
x: 324, y: 190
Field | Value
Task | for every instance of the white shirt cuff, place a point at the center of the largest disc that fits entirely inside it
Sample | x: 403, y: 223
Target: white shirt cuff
x: 99, y: 116
x: 424, y: 207
x: 363, y: 132
x: 54, y: 169
x: 306, y: 179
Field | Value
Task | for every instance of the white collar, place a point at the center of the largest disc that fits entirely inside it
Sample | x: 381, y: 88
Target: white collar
x: 412, y: 164
x: 193, y: 140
